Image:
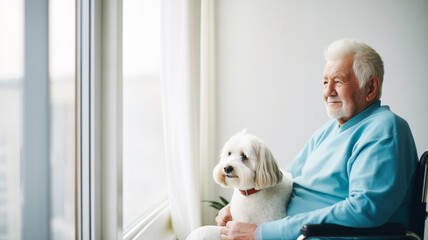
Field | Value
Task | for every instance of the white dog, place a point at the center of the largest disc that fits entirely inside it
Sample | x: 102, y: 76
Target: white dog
x: 261, y: 190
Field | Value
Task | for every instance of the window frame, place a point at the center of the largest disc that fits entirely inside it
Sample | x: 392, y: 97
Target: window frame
x: 99, y: 129
x: 98, y: 126
x: 155, y: 225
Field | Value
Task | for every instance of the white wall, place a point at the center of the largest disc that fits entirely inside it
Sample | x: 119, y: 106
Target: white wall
x: 269, y: 64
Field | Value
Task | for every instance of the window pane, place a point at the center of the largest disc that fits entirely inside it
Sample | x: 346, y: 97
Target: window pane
x: 11, y: 74
x: 144, y: 170
x: 62, y: 117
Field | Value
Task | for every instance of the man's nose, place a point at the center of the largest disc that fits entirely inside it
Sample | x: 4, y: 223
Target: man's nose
x: 330, y: 89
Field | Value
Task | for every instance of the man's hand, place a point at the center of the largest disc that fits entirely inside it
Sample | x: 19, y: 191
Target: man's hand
x: 238, y: 230
x: 223, y: 216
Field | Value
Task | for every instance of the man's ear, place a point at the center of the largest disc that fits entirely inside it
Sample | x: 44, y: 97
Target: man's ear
x: 373, y: 87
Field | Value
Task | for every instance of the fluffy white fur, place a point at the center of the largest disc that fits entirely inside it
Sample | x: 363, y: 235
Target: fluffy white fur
x: 253, y: 167
x: 245, y: 163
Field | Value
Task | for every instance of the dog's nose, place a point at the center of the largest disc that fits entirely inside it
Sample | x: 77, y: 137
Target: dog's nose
x: 228, y: 169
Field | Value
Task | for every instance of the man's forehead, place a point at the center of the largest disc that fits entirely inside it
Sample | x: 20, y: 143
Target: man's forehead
x: 336, y: 70
x: 333, y: 75
x: 339, y: 66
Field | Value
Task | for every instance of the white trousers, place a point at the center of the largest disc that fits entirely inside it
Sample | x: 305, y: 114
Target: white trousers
x: 205, y: 233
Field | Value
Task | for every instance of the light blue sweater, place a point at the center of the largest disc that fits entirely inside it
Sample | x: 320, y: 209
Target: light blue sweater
x: 354, y: 175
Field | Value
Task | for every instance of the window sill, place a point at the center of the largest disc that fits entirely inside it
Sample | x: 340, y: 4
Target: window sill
x: 157, y: 225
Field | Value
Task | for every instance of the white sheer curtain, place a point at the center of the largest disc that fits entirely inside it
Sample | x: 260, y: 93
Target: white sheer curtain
x: 188, y: 130
x: 208, y: 152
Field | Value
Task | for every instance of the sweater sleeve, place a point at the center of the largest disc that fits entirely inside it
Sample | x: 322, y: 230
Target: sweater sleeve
x: 379, y: 177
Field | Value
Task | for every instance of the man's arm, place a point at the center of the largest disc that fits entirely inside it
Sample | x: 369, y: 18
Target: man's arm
x: 379, y: 176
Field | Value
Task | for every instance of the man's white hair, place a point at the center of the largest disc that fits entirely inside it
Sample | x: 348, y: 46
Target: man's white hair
x: 367, y: 62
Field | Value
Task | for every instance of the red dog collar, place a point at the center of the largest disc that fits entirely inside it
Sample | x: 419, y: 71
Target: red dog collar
x: 248, y: 192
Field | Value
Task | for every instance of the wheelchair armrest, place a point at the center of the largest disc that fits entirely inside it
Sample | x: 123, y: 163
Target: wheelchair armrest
x: 333, y: 230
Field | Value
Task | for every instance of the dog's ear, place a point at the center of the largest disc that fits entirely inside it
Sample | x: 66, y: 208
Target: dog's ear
x: 218, y: 176
x: 267, y: 170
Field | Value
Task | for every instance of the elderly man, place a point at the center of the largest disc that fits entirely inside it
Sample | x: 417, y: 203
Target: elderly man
x: 357, y: 169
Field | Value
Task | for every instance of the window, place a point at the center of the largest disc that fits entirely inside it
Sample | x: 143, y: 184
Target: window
x: 62, y: 150
x: 62, y: 117
x: 144, y: 170
x: 67, y: 74
x: 11, y: 74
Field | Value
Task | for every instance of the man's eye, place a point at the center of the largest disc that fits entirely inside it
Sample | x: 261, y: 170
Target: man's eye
x: 244, y: 157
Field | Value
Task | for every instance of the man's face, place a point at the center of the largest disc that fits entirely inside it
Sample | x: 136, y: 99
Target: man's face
x: 342, y: 95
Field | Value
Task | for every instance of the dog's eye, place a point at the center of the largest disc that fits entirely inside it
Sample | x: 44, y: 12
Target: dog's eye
x: 244, y: 157
x: 228, y: 154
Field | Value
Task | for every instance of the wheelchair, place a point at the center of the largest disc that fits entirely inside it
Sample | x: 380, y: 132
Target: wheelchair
x: 388, y: 230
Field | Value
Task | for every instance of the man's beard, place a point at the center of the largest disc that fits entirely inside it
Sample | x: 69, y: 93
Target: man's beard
x: 336, y: 112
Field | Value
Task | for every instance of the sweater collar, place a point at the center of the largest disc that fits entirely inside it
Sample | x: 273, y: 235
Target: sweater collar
x: 360, y: 116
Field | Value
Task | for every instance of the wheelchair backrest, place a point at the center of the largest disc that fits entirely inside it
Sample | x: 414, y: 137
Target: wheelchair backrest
x: 418, y: 212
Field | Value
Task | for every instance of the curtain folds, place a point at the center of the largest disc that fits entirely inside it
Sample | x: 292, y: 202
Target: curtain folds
x: 208, y: 152
x: 187, y: 93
